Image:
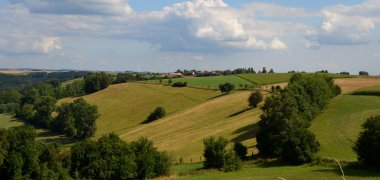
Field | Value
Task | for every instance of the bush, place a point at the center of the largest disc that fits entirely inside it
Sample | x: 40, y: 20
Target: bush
x: 112, y: 158
x: 255, y: 98
x: 226, y: 87
x: 217, y: 156
x: 158, y: 113
x: 179, y: 84
x: 299, y: 147
x: 232, y: 162
x: 240, y: 150
x: 367, y: 147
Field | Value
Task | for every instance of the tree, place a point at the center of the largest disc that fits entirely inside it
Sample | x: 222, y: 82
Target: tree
x: 255, y: 98
x: 367, y: 146
x: 108, y: 158
x: 363, y: 73
x: 240, y: 150
x: 226, y: 87
x: 264, y: 71
x: 21, y: 157
x: 158, y: 113
x: 96, y: 81
x: 150, y: 162
x: 44, y: 108
x: 77, y: 119
x: 299, y: 147
x: 217, y: 156
x: 271, y: 71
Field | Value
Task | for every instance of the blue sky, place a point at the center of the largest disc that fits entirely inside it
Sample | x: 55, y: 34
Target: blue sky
x: 142, y: 35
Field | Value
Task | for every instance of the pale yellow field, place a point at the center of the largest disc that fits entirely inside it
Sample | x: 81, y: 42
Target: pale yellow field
x: 352, y: 84
x: 182, y: 134
x: 125, y: 106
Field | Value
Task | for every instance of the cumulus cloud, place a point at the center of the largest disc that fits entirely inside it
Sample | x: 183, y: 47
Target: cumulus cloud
x: 79, y: 7
x: 346, y: 25
x: 277, y: 44
x: 29, y: 43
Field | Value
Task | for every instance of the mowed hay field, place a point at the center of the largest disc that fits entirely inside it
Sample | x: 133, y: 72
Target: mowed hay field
x: 212, y: 81
x: 265, y: 79
x: 182, y: 134
x: 124, y: 106
x: 352, y: 84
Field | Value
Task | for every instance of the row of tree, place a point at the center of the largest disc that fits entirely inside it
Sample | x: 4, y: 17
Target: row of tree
x: 22, y: 157
x: 287, y: 115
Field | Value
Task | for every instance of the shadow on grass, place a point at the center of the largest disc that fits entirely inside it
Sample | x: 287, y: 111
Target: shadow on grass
x: 246, y: 133
x: 218, y: 96
x: 355, y: 170
x: 240, y: 112
x: 52, y: 137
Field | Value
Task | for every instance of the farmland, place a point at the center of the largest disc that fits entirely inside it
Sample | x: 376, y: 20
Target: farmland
x: 124, y: 106
x: 228, y: 116
x: 212, y: 81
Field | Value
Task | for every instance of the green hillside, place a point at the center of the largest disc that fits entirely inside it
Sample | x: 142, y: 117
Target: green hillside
x: 182, y: 134
x: 273, y: 78
x: 212, y: 81
x: 124, y: 106
x: 338, y: 127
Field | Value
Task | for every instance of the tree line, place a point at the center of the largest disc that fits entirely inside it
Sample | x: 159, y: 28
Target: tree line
x: 23, y: 157
x: 286, y: 116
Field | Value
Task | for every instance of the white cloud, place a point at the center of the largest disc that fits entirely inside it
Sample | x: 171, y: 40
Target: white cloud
x: 47, y: 44
x: 80, y: 7
x: 277, y: 44
x: 345, y: 25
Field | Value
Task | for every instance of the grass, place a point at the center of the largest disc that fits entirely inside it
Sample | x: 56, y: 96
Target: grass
x: 273, y: 78
x: 7, y: 121
x: 274, y: 172
x: 64, y: 84
x: 125, y: 106
x: 211, y: 81
x: 182, y: 134
x: 265, y: 79
x: 338, y: 127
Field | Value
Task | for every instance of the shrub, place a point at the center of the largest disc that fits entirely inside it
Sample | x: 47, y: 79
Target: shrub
x: 240, y: 150
x: 226, y: 87
x: 217, y: 156
x: 214, y: 151
x: 232, y: 162
x: 299, y: 147
x: 367, y: 147
x: 255, y: 98
x: 158, y: 113
x: 179, y: 84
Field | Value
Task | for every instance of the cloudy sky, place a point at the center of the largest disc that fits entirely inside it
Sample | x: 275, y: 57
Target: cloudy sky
x: 164, y: 35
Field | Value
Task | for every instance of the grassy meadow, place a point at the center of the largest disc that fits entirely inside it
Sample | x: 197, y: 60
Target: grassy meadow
x: 182, y: 134
x: 211, y: 81
x: 125, y: 106
x: 7, y: 121
x: 338, y: 127
x: 265, y: 79
x: 260, y: 171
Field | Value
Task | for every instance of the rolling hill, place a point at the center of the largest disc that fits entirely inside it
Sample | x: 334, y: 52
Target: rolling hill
x: 124, y: 106
x: 182, y: 134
